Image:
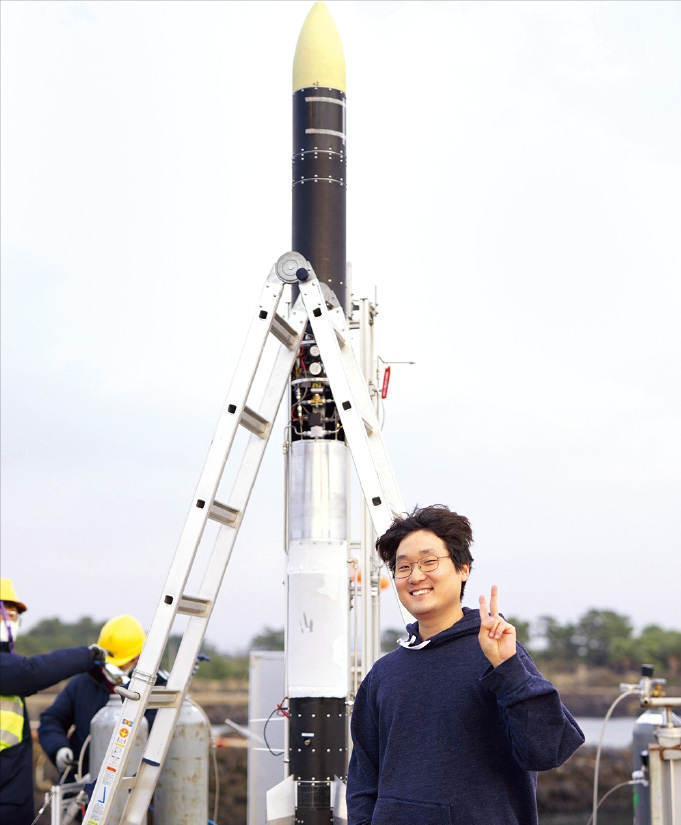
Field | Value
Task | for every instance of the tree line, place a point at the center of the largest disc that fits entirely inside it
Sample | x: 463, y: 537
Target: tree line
x: 599, y: 638
x: 53, y: 634
x: 604, y: 638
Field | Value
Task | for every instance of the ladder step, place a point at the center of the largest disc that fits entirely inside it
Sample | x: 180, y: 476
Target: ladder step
x: 127, y: 783
x: 340, y: 336
x: 254, y: 422
x: 283, y: 331
x: 193, y: 606
x: 368, y: 426
x: 223, y: 513
x: 163, y: 697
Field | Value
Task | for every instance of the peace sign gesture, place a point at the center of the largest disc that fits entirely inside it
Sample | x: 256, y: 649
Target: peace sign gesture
x: 497, y: 637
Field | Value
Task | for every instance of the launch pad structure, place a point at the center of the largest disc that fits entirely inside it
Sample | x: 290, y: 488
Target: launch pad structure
x: 318, y: 674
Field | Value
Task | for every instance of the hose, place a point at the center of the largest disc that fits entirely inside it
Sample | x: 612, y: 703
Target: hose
x: 594, y: 812
x: 79, y: 775
x: 613, y: 789
x: 46, y: 802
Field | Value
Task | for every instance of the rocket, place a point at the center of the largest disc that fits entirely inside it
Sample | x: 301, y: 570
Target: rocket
x: 317, y: 624
x: 319, y: 150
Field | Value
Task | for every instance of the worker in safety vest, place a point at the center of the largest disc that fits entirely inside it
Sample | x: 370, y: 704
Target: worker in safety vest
x: 65, y: 725
x: 22, y: 676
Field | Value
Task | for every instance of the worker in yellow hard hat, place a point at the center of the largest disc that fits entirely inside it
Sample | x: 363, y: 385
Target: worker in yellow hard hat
x: 76, y: 705
x: 22, y: 676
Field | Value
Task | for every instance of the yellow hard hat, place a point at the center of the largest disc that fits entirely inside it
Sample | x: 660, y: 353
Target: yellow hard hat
x: 7, y: 594
x: 123, y: 637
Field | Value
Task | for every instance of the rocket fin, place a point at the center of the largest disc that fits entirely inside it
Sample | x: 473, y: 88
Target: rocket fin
x: 281, y: 803
x: 340, y: 808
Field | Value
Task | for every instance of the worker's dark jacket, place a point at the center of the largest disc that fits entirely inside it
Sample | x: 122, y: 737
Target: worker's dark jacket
x: 76, y: 705
x: 22, y: 676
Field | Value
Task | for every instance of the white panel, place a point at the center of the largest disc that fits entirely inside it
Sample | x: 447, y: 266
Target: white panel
x: 317, y: 638
x: 265, y: 690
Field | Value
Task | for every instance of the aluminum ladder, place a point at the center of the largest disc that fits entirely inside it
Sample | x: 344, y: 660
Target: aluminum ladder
x: 317, y: 305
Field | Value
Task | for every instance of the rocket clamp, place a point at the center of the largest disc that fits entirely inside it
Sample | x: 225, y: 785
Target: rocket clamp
x: 316, y: 304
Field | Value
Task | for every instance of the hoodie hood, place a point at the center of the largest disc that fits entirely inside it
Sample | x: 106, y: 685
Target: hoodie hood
x: 468, y: 625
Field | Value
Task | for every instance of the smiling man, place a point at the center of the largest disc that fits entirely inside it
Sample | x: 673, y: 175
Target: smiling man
x: 453, y: 726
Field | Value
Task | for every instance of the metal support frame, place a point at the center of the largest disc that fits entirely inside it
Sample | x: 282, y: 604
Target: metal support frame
x: 664, y: 766
x: 371, y: 579
x: 64, y: 804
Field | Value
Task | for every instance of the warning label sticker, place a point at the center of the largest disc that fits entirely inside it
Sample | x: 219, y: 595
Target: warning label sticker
x: 115, y: 755
x: 96, y: 814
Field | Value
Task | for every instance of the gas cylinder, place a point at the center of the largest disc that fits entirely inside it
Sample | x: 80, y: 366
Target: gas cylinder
x: 101, y: 728
x: 181, y: 795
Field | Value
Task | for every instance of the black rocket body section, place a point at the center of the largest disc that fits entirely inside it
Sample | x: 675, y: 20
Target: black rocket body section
x: 319, y: 184
x: 319, y: 164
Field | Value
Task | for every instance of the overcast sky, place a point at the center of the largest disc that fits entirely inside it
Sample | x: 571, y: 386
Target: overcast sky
x: 515, y: 199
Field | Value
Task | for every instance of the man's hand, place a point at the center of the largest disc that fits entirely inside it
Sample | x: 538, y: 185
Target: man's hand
x: 63, y: 759
x: 497, y: 637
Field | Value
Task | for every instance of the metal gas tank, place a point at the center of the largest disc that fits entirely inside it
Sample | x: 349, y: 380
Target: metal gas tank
x: 181, y: 795
x: 101, y: 728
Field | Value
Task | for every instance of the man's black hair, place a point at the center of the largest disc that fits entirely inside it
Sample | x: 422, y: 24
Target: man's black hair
x: 454, y: 530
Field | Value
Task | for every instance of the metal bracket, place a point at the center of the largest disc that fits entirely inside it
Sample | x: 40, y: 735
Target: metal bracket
x: 288, y: 266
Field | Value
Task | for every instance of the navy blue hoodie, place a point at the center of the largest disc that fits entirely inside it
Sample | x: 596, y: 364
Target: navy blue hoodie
x: 440, y: 737
x: 74, y: 708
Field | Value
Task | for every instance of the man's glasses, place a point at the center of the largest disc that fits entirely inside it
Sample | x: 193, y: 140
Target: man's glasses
x: 427, y: 565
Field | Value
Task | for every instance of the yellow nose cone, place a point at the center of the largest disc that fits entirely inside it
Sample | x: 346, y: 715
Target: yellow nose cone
x: 319, y: 59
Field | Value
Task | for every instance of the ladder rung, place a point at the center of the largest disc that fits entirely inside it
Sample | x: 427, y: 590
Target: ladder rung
x: 223, y: 513
x: 193, y: 605
x: 339, y: 333
x: 283, y: 331
x: 254, y: 422
x: 163, y: 697
x: 127, y: 783
x: 367, y: 425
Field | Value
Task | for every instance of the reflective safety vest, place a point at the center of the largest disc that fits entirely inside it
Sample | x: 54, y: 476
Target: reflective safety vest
x: 11, y: 721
